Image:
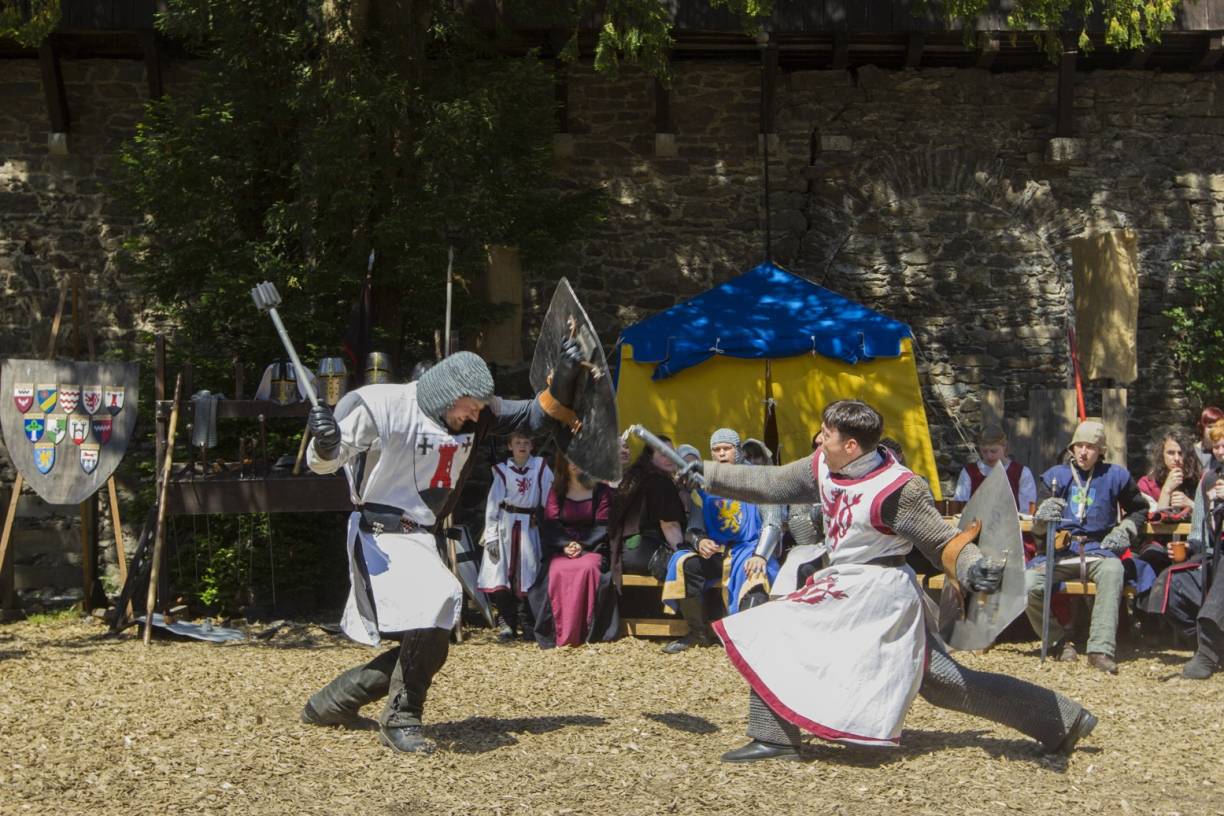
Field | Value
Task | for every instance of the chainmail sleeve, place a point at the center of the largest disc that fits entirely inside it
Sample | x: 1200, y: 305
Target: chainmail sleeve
x: 763, y: 484
x: 911, y: 513
x: 801, y: 525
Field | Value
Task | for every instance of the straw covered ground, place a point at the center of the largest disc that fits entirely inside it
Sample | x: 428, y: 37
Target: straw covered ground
x: 90, y: 725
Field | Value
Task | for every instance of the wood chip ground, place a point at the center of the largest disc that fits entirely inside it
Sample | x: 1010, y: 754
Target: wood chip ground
x: 90, y: 725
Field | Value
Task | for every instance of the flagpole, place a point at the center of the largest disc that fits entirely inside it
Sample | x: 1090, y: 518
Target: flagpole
x: 450, y: 277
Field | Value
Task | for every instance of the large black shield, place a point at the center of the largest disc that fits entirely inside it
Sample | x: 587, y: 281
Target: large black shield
x: 594, y: 448
x: 67, y: 424
x: 976, y: 623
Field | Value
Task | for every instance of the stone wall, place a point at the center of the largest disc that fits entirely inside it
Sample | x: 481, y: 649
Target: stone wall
x: 937, y: 196
x: 56, y: 218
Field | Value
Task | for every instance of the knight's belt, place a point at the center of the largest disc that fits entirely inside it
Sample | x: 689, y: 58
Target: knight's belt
x: 386, y: 518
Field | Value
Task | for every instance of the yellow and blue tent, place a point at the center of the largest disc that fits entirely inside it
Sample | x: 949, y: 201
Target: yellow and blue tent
x: 769, y: 341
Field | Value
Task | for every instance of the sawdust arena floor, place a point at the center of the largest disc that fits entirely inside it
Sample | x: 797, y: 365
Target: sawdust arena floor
x: 91, y: 725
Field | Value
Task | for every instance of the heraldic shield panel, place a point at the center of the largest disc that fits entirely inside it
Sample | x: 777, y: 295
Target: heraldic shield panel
x: 66, y: 425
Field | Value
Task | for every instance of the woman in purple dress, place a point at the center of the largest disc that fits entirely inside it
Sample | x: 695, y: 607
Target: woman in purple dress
x: 576, y: 602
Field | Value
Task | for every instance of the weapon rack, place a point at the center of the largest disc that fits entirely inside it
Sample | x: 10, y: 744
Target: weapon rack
x: 257, y: 488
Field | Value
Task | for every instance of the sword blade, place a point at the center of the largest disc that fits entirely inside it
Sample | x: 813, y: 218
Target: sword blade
x: 662, y: 447
x: 1051, y: 531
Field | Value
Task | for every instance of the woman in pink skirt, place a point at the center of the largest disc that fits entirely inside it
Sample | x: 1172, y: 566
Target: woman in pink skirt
x: 575, y: 602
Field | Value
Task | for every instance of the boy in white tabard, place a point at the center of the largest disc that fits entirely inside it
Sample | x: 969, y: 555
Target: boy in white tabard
x: 511, y: 537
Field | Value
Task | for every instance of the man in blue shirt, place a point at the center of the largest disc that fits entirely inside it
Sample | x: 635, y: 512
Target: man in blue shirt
x: 1088, y: 498
x: 729, y: 543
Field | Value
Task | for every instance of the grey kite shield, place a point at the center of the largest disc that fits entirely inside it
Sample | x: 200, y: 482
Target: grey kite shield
x: 594, y: 448
x: 976, y: 620
x: 63, y: 445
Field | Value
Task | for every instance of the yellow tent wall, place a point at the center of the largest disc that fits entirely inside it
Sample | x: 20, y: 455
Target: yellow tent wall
x: 730, y: 392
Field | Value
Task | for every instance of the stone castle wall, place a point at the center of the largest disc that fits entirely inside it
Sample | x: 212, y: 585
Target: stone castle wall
x: 936, y: 196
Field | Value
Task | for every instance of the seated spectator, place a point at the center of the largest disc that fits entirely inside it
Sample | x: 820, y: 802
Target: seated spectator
x: 1178, y: 592
x: 689, y: 454
x: 1088, y: 495
x: 893, y: 445
x: 648, y: 518
x: 576, y: 602
x: 1202, y: 448
x: 992, y: 451
x: 721, y: 550
x: 1173, y: 477
x: 756, y: 453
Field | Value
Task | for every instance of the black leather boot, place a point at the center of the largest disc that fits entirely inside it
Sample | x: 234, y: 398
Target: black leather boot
x: 699, y: 634
x: 1207, y: 659
x: 421, y: 655
x: 340, y: 701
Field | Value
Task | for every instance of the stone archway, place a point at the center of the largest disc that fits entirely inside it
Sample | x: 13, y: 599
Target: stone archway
x: 972, y: 254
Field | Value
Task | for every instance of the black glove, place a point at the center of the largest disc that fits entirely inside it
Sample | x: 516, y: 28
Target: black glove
x: 325, y: 430
x: 564, y: 385
x: 690, y: 475
x: 984, y: 576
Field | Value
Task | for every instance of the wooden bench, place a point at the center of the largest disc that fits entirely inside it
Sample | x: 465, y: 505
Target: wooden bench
x: 651, y: 627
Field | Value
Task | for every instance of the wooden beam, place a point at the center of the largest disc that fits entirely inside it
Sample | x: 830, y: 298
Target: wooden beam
x: 1066, y: 94
x: 1211, y: 55
x: 769, y: 83
x: 987, y: 49
x: 663, y: 112
x: 53, y: 87
x: 841, y: 49
x: 1139, y: 58
x: 152, y: 59
x: 913, y: 49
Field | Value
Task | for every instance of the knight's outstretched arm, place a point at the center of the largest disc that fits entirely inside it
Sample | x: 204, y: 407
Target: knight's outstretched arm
x: 527, y: 415
x: 792, y: 483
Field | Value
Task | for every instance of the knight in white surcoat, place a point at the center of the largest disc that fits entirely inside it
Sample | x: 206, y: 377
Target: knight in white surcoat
x: 844, y: 655
x: 406, y: 450
x: 511, y: 539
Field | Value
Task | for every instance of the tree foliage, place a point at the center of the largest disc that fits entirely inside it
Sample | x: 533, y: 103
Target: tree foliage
x: 304, y: 144
x: 28, y: 22
x: 1129, y: 24
x: 1197, y: 335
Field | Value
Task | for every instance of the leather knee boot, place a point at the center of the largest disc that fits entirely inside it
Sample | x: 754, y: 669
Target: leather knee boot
x: 699, y: 634
x: 422, y: 654
x: 340, y: 701
x: 1206, y: 659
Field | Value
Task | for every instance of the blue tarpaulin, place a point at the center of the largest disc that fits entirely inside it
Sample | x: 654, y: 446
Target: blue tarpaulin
x: 765, y: 312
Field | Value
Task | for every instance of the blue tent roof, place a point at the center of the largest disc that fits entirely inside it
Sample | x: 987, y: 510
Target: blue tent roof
x: 765, y: 312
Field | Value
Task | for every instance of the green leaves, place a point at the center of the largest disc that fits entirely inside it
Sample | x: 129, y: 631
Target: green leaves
x: 28, y: 21
x: 302, y: 145
x: 1197, y: 334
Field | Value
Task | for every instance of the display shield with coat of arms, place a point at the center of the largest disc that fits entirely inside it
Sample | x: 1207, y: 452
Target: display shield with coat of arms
x: 53, y: 400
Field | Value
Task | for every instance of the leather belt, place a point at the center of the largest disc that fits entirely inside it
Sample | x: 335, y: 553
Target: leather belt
x: 514, y: 508
x: 385, y: 518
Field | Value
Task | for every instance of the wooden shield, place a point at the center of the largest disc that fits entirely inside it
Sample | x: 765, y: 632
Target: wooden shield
x: 67, y: 482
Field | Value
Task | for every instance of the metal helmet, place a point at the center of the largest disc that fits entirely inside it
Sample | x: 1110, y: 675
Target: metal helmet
x: 334, y: 377
x: 377, y: 368
x: 284, y: 383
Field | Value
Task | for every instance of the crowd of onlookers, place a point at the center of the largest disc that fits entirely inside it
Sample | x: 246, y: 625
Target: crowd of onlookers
x: 558, y: 543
